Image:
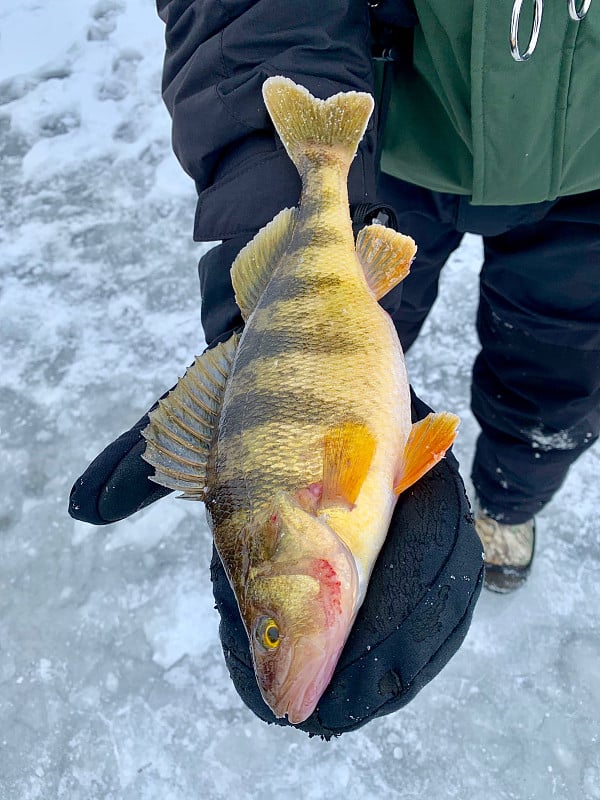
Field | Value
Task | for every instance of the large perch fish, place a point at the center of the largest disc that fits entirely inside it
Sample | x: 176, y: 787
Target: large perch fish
x: 297, y: 435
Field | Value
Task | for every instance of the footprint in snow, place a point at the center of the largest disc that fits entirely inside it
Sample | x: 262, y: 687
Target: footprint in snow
x: 104, y: 17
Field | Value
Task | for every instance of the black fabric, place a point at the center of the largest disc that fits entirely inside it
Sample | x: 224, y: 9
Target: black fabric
x: 218, y: 56
x: 536, y: 381
x: 220, y: 314
x: 415, y: 616
x: 393, y: 13
x: 392, y: 22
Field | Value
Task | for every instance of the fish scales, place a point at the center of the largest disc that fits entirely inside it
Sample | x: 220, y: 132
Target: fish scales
x: 310, y: 413
x: 286, y: 397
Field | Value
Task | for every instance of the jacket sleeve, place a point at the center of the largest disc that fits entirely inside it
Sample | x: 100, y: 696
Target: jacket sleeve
x: 218, y: 54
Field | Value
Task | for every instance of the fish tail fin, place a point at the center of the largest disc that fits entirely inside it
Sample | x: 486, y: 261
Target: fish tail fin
x: 308, y: 127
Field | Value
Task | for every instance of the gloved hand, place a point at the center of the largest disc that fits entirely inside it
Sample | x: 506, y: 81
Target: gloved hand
x: 421, y: 594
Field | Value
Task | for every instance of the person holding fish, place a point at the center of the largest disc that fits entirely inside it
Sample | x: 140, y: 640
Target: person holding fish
x: 337, y: 551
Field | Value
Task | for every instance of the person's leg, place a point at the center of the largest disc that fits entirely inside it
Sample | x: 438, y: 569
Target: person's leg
x: 536, y: 382
x: 429, y: 218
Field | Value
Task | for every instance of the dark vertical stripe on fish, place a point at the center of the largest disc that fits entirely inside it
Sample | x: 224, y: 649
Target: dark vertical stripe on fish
x: 289, y: 409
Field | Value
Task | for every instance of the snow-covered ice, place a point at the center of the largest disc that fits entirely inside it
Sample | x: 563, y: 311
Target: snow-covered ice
x: 112, y: 680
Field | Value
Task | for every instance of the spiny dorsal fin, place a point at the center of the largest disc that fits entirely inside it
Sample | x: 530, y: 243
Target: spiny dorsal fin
x: 427, y: 444
x: 349, y: 450
x: 306, y: 124
x: 385, y: 255
x: 254, y: 265
x: 180, y: 432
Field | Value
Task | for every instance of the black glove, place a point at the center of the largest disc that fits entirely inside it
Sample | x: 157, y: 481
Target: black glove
x: 423, y: 588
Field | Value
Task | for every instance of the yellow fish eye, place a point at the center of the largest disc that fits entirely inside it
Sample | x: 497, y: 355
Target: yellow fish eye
x: 268, y: 633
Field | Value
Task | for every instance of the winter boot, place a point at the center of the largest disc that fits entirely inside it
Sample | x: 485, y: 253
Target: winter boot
x: 508, y: 551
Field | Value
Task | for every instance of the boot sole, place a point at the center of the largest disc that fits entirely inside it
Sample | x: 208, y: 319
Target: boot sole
x: 503, y: 580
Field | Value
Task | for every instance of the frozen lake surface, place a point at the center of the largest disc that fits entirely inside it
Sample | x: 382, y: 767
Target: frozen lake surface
x: 112, y: 680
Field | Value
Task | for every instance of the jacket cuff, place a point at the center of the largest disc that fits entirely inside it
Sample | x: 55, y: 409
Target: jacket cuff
x: 248, y: 195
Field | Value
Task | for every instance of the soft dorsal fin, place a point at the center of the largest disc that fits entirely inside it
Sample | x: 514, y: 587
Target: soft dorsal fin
x: 180, y: 432
x: 349, y: 450
x: 255, y: 264
x: 385, y: 255
x: 427, y: 444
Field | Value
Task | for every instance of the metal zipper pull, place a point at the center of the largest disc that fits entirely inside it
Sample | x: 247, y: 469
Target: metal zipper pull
x: 535, y: 28
x: 579, y: 15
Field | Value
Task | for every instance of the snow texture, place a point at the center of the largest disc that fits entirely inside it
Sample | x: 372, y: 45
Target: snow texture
x: 112, y: 680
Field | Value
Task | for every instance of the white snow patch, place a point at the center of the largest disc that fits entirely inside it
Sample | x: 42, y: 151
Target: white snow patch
x: 33, y: 34
x: 560, y: 440
x: 181, y: 627
x: 144, y: 531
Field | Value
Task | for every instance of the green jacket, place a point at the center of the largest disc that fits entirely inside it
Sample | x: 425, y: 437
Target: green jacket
x: 468, y: 119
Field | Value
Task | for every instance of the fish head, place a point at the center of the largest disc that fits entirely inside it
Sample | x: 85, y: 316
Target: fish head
x: 300, y: 606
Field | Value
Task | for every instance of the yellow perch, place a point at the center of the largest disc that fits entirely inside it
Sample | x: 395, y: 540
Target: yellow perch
x: 297, y: 435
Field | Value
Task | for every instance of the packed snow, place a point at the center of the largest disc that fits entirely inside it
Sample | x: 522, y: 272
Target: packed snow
x: 112, y: 680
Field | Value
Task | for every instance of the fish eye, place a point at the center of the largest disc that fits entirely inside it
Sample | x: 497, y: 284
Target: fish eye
x: 267, y: 633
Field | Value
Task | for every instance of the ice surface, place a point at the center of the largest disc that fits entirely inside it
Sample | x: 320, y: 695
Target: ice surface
x: 112, y: 680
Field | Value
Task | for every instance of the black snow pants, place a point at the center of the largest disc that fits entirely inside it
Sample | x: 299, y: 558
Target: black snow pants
x: 536, y: 380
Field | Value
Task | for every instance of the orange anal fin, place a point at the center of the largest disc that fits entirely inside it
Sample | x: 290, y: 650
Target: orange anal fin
x: 349, y: 450
x: 427, y: 444
x: 385, y: 255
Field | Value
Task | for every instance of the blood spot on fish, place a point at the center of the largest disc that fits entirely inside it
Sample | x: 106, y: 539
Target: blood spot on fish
x: 330, y: 593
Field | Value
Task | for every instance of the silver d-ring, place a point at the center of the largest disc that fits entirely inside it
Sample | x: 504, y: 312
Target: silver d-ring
x: 535, y: 29
x: 579, y: 15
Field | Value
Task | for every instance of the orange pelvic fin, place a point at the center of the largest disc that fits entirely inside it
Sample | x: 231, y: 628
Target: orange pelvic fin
x: 427, y: 444
x: 349, y: 450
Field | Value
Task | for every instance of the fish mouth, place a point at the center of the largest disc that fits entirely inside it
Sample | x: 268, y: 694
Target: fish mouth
x: 301, y: 693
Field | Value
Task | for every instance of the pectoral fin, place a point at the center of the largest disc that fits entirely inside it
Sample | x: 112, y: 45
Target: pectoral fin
x: 385, y: 255
x: 427, y: 444
x: 179, y: 435
x: 255, y: 264
x: 349, y: 450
